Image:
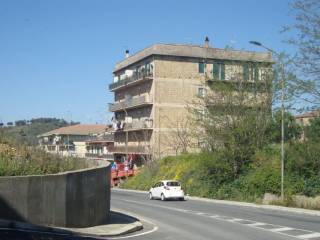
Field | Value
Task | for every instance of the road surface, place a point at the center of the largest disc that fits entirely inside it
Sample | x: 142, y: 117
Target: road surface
x: 196, y: 220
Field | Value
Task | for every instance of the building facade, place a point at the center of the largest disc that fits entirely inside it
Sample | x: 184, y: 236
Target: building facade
x: 153, y: 88
x: 305, y: 118
x: 70, y: 140
x: 99, y: 147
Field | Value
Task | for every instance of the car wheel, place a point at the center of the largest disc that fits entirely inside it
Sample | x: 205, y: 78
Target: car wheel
x: 150, y: 196
x: 181, y: 199
x: 163, y: 198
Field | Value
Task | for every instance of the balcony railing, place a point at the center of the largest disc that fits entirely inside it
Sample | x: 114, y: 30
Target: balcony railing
x: 99, y: 155
x: 130, y: 103
x: 142, y: 124
x: 131, y: 149
x: 134, y: 125
x: 128, y: 80
x: 103, y: 138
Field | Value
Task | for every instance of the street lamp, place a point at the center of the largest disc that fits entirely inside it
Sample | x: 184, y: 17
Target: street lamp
x: 282, y: 110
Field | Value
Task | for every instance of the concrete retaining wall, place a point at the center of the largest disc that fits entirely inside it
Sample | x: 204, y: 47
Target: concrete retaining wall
x: 70, y: 199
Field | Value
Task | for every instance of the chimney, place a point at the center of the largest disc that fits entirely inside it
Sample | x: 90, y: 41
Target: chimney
x: 127, y: 53
x: 206, y: 42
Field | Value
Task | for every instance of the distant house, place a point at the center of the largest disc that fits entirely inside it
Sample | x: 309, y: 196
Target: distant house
x: 305, y: 118
x: 70, y: 140
x: 99, y: 147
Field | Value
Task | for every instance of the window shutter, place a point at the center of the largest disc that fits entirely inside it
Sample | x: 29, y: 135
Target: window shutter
x: 222, y: 71
x: 256, y: 73
x: 215, y: 71
x: 201, y: 67
x: 245, y: 71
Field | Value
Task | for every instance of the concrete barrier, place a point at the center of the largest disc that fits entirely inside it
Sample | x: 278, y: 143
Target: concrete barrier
x: 70, y: 199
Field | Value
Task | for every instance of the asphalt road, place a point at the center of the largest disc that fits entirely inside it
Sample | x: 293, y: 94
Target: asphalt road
x: 194, y: 219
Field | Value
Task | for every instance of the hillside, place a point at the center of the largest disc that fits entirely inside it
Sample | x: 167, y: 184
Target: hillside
x: 210, y: 175
x: 25, y: 132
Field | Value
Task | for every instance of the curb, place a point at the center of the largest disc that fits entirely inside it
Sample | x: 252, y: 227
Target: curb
x: 242, y: 204
x: 136, y: 225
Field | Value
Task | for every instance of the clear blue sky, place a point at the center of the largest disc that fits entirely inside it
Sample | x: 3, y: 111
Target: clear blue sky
x: 56, y: 57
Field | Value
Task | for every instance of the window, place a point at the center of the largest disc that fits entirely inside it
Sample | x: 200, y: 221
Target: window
x: 218, y: 71
x: 201, y: 92
x: 251, y: 72
x: 173, y: 184
x: 201, y: 67
x: 201, y: 143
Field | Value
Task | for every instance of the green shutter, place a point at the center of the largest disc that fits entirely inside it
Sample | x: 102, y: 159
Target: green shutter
x: 256, y: 73
x: 215, y: 71
x: 201, y: 67
x: 223, y: 77
x: 245, y: 71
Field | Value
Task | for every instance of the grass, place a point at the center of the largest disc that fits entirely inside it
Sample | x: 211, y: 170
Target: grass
x: 23, y: 160
x: 209, y: 175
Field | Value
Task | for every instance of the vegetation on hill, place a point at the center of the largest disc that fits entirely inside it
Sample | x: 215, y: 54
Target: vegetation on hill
x: 208, y: 175
x: 25, y: 160
x: 20, y: 156
x: 26, y: 131
x: 211, y: 174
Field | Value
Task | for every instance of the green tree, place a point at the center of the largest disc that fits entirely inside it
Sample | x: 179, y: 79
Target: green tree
x: 306, y: 39
x: 312, y: 132
x: 234, y: 116
x: 292, y: 130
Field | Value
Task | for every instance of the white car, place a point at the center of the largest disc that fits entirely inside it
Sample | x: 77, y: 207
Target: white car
x: 166, y: 189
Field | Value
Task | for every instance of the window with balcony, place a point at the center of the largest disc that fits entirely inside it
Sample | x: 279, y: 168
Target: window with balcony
x: 218, y: 71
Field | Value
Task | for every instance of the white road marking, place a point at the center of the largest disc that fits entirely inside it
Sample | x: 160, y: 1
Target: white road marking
x: 256, y: 224
x: 280, y: 230
x: 155, y: 228
x: 309, y: 236
x: 201, y: 213
x: 235, y: 220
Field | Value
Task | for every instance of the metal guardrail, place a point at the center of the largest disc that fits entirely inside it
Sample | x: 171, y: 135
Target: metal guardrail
x: 128, y: 80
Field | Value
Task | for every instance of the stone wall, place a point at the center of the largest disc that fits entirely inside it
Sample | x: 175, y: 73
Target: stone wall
x: 70, y: 199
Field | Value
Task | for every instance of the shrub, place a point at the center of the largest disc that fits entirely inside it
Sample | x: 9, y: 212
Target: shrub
x: 22, y: 160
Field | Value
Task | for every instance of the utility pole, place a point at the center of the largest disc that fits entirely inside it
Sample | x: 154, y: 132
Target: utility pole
x: 68, y: 136
x: 282, y: 110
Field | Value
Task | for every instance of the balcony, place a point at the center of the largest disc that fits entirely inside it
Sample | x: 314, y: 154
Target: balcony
x: 135, y: 78
x: 144, y: 124
x: 131, y: 149
x: 137, y: 125
x: 131, y: 103
x: 100, y: 139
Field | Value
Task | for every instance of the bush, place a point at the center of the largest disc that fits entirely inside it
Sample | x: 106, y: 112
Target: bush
x: 22, y: 160
x: 211, y: 174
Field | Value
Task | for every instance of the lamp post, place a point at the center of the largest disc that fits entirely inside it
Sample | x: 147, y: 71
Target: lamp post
x: 282, y: 111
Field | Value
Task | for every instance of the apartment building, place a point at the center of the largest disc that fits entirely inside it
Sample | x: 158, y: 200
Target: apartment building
x: 153, y: 88
x: 99, y: 147
x: 70, y: 140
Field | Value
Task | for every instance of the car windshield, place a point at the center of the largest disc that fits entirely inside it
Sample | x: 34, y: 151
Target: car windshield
x: 173, y: 184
